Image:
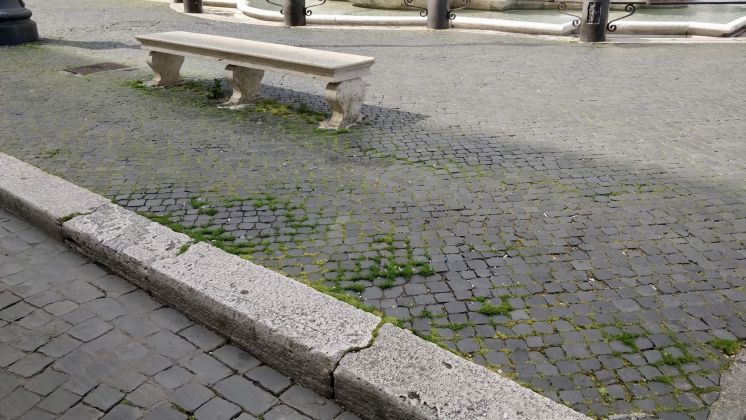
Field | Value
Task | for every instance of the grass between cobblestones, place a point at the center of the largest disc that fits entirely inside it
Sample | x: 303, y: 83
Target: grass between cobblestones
x: 559, y: 236
x: 624, y: 342
x: 208, y: 94
x: 389, y: 263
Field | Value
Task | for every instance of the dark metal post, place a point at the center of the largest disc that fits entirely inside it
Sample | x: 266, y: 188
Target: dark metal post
x: 593, y: 22
x: 16, y: 26
x: 295, y: 12
x: 438, y: 14
x: 192, y: 6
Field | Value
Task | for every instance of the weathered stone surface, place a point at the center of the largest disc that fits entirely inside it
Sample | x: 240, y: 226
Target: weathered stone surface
x: 297, y: 330
x: 43, y: 199
x: 731, y: 405
x: 124, y: 241
x: 403, y: 376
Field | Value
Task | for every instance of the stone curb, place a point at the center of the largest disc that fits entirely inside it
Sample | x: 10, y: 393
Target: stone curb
x: 405, y: 377
x: 730, y: 404
x: 41, y: 198
x: 321, y: 342
x: 123, y: 241
x: 299, y: 331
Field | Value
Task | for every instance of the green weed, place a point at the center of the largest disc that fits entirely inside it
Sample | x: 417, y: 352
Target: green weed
x: 729, y: 347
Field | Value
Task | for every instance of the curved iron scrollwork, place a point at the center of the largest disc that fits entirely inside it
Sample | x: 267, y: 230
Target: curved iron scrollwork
x: 308, y: 12
x: 452, y: 16
x: 630, y: 8
x: 281, y: 6
x: 423, y: 11
x: 561, y: 7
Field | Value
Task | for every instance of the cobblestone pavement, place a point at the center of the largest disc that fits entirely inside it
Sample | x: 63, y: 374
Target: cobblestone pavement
x: 572, y: 216
x: 79, y: 343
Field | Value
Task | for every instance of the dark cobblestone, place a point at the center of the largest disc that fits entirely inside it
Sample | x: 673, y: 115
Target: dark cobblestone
x: 614, y: 230
x: 48, y: 378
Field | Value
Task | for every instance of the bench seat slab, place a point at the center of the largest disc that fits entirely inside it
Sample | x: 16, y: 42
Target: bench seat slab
x: 328, y: 65
x: 166, y: 68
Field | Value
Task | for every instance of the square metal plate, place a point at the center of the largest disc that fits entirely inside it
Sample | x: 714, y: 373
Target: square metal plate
x: 95, y: 68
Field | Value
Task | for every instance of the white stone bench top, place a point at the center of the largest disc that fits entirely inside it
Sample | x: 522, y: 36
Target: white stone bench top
x: 329, y: 65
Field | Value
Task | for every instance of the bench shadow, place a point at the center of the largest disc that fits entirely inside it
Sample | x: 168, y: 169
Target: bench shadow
x: 372, y: 114
x: 90, y: 45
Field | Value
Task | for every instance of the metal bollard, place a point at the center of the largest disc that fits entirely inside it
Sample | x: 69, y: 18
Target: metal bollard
x: 192, y: 6
x: 295, y: 12
x: 593, y: 21
x: 16, y: 26
x: 438, y: 14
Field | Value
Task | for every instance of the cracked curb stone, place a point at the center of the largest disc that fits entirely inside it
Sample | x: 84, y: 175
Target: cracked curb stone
x: 299, y: 331
x: 403, y: 376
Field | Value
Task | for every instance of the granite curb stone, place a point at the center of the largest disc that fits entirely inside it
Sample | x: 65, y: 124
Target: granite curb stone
x: 123, y: 241
x: 299, y: 331
x: 730, y: 404
x: 44, y: 199
x: 403, y: 376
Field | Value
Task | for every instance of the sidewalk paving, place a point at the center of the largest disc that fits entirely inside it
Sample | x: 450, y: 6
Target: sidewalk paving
x: 79, y: 343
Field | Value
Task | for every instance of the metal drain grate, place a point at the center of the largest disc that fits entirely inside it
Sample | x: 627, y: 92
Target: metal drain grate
x: 95, y: 68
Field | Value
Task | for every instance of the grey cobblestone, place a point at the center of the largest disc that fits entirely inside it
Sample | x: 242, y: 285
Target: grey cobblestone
x: 123, y: 371
x: 217, y: 408
x: 586, y: 210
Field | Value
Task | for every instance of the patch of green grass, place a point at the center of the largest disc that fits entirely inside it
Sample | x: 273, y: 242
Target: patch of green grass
x: 208, y: 211
x: 267, y: 200
x: 729, y: 347
x: 331, y: 132
x: 427, y: 314
x: 359, y: 288
x: 706, y: 390
x: 192, y: 85
x: 272, y: 107
x: 671, y: 360
x: 135, y: 84
x: 28, y: 46
x: 184, y: 248
x: 426, y: 270
x: 457, y: 326
x: 71, y: 216
x: 50, y: 153
x: 310, y: 116
x: 196, y: 202
x: 490, y: 309
x: 216, y: 90
x: 626, y: 338
x: 668, y: 380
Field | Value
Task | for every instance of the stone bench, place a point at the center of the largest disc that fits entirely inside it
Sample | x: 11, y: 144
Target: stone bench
x: 248, y: 60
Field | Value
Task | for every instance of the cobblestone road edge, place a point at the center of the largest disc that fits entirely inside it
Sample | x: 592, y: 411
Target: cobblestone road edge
x: 328, y: 345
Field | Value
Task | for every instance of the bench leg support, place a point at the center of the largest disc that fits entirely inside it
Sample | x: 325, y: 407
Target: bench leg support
x: 166, y: 68
x: 346, y: 99
x: 245, y: 83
